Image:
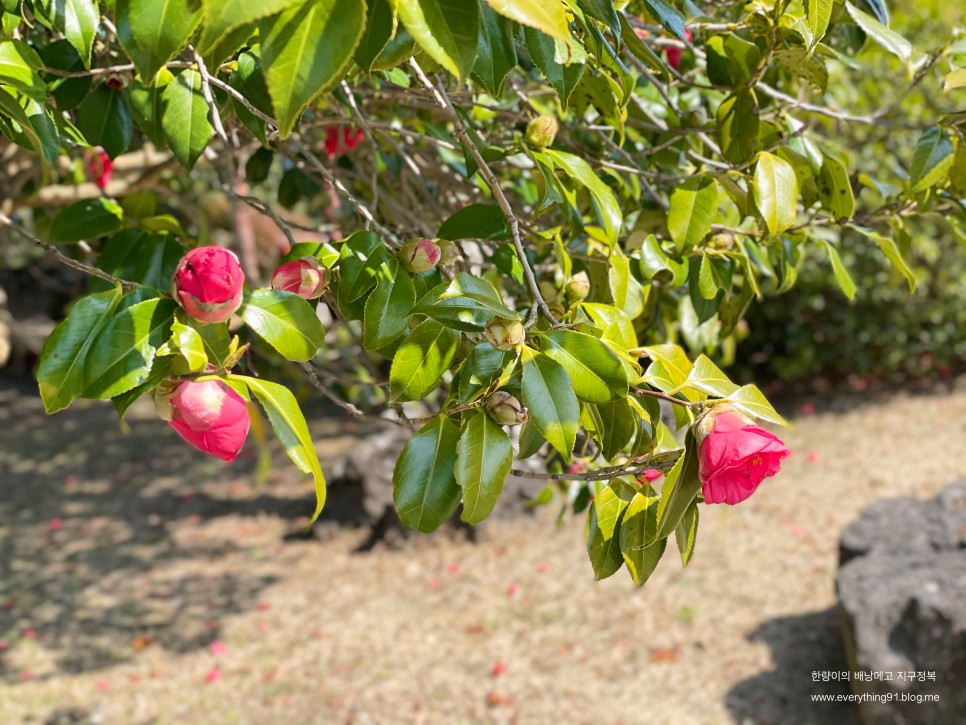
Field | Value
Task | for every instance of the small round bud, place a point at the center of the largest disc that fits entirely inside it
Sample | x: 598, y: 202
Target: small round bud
x: 505, y: 409
x: 208, y: 284
x: 505, y: 335
x: 420, y: 255
x: 541, y: 132
x: 305, y: 277
x: 578, y: 288
x: 721, y: 241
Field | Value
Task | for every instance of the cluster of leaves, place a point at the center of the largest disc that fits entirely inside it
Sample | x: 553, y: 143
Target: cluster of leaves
x: 682, y: 191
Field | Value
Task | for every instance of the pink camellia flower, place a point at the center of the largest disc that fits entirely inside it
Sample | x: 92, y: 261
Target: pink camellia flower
x: 304, y: 277
x: 99, y: 166
x: 420, y: 255
x: 674, y: 54
x: 734, y: 455
x: 208, y: 284
x: 342, y: 139
x: 210, y: 416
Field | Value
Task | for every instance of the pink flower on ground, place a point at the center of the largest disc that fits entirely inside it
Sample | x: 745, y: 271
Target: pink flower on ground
x: 304, y: 277
x: 98, y: 166
x: 103, y: 686
x: 498, y: 669
x: 674, y: 54
x: 210, y: 416
x: 513, y: 590
x: 55, y: 524
x: 208, y: 284
x: 808, y: 409
x: 811, y: 457
x: 213, y: 675
x: 29, y: 634
x: 734, y: 455
x: 217, y: 648
x: 4, y: 645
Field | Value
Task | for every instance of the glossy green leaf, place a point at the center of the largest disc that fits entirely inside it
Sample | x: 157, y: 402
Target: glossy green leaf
x: 185, y: 118
x: 20, y: 67
x: 749, y: 400
x: 686, y: 533
x: 446, y: 29
x: 641, y: 50
x: 380, y: 27
x: 693, y: 207
x: 76, y: 19
x: 656, y: 262
x: 482, y: 368
x: 776, y: 192
x: 637, y: 531
x: 616, y: 425
x: 707, y: 377
x: 496, y: 53
x: 738, y: 124
x: 424, y: 487
x: 187, y: 343
x: 835, y: 189
x: 673, y: 359
x: 421, y: 360
x: 222, y: 17
x: 86, y: 220
x: 285, y: 321
x: 151, y: 259
x: 306, y: 50
x: 147, y: 106
x: 466, y: 303
x: 842, y: 276
x: 60, y: 374
x: 120, y: 357
x: 359, y: 259
x: 886, y: 38
x: 606, y: 208
x: 603, y: 532
x: 596, y: 372
x: 388, y: 308
x: 549, y: 396
x: 891, y: 251
x: 105, y: 120
x: 931, y: 160
x: 548, y: 17
x: 476, y: 221
x: 291, y: 429
x: 668, y: 16
x: 818, y: 13
x: 152, y: 32
x: 483, y: 460
x: 681, y: 487
x: 555, y: 60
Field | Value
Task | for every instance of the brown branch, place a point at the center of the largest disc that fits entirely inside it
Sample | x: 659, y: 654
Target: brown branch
x: 669, y: 398
x: 661, y: 461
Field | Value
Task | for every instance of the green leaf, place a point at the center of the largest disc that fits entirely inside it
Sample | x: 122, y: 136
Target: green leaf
x: 379, y: 30
x: 424, y: 487
x: 20, y: 67
x: 596, y: 373
x: 654, y: 261
x: 835, y: 189
x: 185, y: 118
x: 360, y: 257
x: 749, y: 400
x: 105, y: 120
x: 120, y: 357
x: 842, y: 275
x: 607, y: 210
x: 641, y: 50
x: 187, y: 342
x: 637, y: 530
x: 674, y: 361
x: 221, y: 17
x: 818, y: 13
x: 681, y: 487
x: 86, y: 220
x: 289, y: 425
x: 603, y: 532
x: 285, y: 321
x: 693, y: 207
x: 686, y: 533
x: 483, y: 460
x: 616, y: 424
x: 421, y: 360
x: 306, y: 50
x: 931, y: 160
x: 883, y: 36
x: 738, y: 124
x: 706, y: 377
x: 955, y: 79
x: 496, y: 53
x: 668, y: 16
x: 388, y: 308
x: 76, y: 19
x: 60, y: 374
x: 549, y: 396
x: 891, y: 252
x: 476, y: 221
x: 555, y: 60
x: 147, y: 106
x: 152, y: 32
x: 776, y: 192
x: 150, y: 259
x: 446, y: 29
x: 481, y: 369
x: 548, y: 17
x: 466, y: 303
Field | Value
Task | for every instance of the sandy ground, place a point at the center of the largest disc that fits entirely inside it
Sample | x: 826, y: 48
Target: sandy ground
x: 143, y: 583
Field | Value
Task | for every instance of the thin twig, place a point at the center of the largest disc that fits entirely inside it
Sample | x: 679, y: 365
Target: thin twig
x: 317, y: 384
x: 668, y: 398
x: 661, y: 461
x: 209, y: 98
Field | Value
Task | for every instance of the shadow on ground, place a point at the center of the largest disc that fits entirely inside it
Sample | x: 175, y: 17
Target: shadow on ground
x: 800, y: 645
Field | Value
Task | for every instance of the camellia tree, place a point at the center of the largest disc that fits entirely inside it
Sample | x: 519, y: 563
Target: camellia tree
x: 518, y: 227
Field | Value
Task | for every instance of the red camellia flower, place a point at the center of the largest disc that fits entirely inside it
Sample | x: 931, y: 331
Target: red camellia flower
x: 99, y: 166
x: 342, y: 139
x: 208, y: 284
x: 304, y: 277
x: 210, y: 416
x: 674, y: 54
x: 734, y: 455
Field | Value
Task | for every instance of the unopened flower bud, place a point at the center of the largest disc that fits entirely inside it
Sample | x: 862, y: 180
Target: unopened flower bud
x: 98, y: 166
x: 305, y: 277
x: 721, y: 241
x: 208, y: 284
x: 578, y: 287
x: 505, y: 409
x: 420, y: 255
x: 449, y: 253
x: 505, y: 335
x: 210, y: 416
x: 541, y: 132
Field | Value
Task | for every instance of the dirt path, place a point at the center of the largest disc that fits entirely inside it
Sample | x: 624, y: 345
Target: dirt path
x: 142, y: 583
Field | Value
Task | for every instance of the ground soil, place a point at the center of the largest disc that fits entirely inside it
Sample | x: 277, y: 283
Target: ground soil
x: 141, y: 582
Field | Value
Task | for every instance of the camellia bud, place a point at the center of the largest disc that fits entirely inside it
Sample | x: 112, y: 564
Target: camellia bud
x: 208, y: 284
x: 541, y: 132
x: 210, y: 416
x: 505, y: 409
x: 578, y: 287
x: 420, y: 255
x: 305, y: 277
x: 721, y: 241
x: 98, y: 166
x: 505, y: 335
